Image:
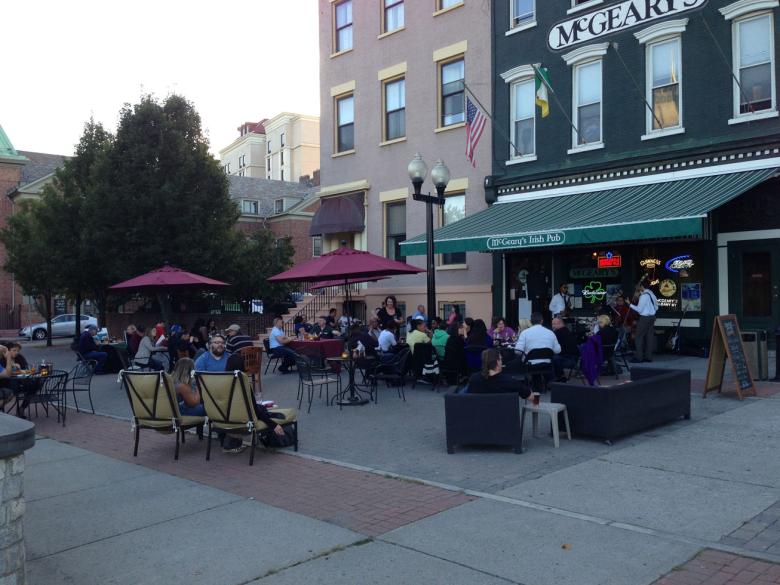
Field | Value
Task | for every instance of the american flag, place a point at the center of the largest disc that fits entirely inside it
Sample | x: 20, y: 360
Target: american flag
x: 475, y: 124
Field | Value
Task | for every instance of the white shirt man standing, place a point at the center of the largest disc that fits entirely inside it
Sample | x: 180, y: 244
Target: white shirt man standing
x: 647, y: 307
x: 537, y: 337
x: 559, y: 304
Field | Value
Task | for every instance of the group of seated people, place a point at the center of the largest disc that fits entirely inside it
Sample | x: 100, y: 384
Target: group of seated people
x: 159, y: 347
x: 218, y: 358
x: 329, y: 326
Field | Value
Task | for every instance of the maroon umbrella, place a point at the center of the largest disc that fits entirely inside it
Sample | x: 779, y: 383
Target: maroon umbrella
x: 341, y: 282
x: 168, y: 277
x: 164, y: 279
x: 344, y: 264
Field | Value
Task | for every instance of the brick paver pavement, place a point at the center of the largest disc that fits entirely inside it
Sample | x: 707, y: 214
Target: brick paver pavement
x: 712, y: 567
x: 364, y: 502
x: 760, y: 533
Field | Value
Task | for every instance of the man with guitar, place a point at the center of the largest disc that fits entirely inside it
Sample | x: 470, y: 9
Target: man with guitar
x: 646, y: 304
x: 559, y: 305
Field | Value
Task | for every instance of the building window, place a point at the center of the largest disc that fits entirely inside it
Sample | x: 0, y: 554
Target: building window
x: 454, y: 209
x: 269, y: 166
x: 227, y: 169
x: 251, y: 207
x: 281, y: 140
x: 268, y: 147
x: 587, y: 104
x: 345, y: 120
x: 344, y: 26
x: 664, y: 77
x: 444, y: 4
x: 522, y: 12
x: 281, y: 175
x: 281, y: 158
x: 395, y: 229
x: 523, y: 129
x: 278, y: 205
x: 393, y: 16
x: 451, y: 88
x: 395, y: 109
x: 754, y: 63
x: 316, y: 246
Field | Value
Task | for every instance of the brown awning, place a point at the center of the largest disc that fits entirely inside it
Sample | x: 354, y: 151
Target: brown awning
x: 344, y: 214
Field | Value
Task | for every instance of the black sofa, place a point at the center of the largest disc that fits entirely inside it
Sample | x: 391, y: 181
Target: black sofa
x: 483, y: 419
x: 652, y: 397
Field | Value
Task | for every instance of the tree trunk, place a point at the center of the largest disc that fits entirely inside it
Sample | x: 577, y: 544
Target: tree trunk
x: 47, y: 296
x: 77, y: 302
x: 165, y: 307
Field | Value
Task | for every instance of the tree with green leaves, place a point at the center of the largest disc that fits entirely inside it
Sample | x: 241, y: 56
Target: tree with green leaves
x: 159, y: 196
x: 256, y: 258
x: 27, y: 239
x: 66, y: 198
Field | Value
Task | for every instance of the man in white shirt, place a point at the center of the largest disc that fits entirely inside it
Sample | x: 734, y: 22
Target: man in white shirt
x: 277, y: 342
x: 387, y: 339
x: 537, y: 337
x: 559, y: 304
x: 647, y: 307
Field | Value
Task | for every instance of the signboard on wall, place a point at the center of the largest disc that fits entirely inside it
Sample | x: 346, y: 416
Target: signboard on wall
x: 619, y: 17
x: 526, y: 240
x: 60, y: 306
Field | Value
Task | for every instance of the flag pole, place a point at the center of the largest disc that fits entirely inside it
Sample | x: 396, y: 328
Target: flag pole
x: 636, y: 85
x: 497, y: 127
x: 558, y: 102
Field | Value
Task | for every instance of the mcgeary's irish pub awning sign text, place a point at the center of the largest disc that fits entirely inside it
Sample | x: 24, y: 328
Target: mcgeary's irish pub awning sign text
x: 615, y: 18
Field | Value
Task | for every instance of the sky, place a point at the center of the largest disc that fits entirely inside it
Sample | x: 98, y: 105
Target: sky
x: 236, y: 60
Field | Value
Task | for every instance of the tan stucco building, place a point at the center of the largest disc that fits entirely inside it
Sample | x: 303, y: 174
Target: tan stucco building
x: 393, y: 81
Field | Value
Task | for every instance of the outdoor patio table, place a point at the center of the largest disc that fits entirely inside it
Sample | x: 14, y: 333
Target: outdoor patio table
x: 350, y: 395
x: 116, y: 359
x: 318, y: 350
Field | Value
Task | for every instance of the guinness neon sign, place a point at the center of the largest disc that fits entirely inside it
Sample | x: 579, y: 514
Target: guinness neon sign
x: 613, y: 19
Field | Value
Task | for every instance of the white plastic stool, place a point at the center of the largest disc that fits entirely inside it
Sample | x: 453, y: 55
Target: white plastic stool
x: 552, y: 409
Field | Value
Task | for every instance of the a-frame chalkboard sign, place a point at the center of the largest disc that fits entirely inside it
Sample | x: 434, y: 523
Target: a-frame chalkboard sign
x: 726, y: 343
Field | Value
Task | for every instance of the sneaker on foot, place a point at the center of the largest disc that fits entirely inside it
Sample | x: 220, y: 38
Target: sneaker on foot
x: 237, y: 449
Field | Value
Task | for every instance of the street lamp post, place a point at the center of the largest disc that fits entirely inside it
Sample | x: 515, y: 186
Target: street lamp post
x: 440, y: 175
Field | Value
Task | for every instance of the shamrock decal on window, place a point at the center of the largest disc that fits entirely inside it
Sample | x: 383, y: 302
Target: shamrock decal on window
x: 594, y: 291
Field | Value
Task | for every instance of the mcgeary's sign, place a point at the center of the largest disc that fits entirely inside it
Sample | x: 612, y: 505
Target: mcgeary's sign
x: 526, y: 240
x: 615, y: 18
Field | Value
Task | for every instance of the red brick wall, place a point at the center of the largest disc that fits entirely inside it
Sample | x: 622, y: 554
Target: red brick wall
x: 9, y: 177
x: 298, y: 229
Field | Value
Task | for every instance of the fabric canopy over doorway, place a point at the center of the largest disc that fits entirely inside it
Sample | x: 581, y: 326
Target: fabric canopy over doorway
x: 338, y: 215
x: 648, y: 211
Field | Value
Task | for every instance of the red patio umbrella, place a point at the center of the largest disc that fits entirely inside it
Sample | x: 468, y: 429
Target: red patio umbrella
x: 165, y: 278
x: 168, y: 277
x: 345, y: 265
x: 338, y: 282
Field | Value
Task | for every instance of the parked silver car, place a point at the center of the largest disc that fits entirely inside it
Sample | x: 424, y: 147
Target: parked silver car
x: 61, y: 326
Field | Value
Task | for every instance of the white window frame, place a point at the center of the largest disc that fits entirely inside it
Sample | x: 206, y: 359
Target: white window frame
x: 649, y: 118
x: 314, y: 239
x: 276, y: 205
x: 253, y: 203
x: 513, y: 156
x: 575, y: 107
x: 583, y: 6
x: 574, y: 59
x: 520, y: 26
x: 737, y: 94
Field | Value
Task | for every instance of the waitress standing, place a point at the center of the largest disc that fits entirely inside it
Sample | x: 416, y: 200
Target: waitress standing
x: 390, y: 313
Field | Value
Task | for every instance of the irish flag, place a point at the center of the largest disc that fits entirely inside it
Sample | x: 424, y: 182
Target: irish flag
x: 542, y: 81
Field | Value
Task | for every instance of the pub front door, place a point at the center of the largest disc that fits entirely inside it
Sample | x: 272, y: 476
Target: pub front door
x: 754, y: 284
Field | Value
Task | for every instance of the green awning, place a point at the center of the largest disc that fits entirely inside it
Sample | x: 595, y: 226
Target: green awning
x: 639, y: 212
